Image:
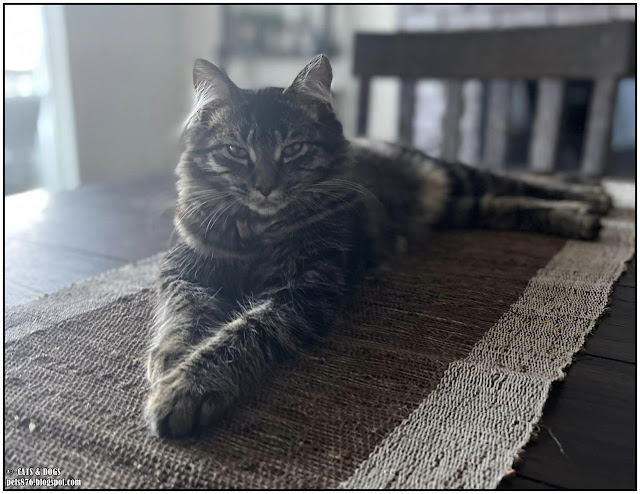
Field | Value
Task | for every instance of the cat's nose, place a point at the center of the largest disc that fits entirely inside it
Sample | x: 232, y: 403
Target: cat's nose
x: 264, y: 189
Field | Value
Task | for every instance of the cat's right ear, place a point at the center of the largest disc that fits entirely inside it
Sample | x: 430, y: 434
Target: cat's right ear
x: 211, y: 83
x: 314, y: 80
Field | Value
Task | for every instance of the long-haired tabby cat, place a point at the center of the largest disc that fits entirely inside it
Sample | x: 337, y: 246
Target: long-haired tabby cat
x: 279, y: 215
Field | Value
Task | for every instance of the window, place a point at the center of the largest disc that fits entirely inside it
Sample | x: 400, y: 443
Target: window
x: 25, y: 86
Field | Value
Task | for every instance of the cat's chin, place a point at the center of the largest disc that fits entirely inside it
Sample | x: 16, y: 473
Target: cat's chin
x: 265, y: 209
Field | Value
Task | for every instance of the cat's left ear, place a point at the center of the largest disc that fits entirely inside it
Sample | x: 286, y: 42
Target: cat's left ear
x: 314, y: 80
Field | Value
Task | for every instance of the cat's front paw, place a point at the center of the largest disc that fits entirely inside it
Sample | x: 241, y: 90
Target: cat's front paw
x: 175, y: 408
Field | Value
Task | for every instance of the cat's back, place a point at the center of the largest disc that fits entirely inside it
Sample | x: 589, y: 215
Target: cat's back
x: 410, y: 187
x: 387, y: 166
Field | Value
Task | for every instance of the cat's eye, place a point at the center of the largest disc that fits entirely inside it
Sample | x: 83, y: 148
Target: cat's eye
x: 237, y: 152
x: 293, y: 150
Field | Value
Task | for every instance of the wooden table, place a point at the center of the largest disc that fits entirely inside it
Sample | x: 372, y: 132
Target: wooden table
x: 587, y: 436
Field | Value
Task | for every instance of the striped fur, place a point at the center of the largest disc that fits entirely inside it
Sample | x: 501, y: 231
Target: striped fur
x: 278, y: 218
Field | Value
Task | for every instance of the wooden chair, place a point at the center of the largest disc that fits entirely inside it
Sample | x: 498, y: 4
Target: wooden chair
x: 603, y: 53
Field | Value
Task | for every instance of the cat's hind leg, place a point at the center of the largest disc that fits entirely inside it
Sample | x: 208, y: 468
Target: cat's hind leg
x: 479, y: 198
x: 572, y: 219
x: 466, y: 181
x: 593, y: 194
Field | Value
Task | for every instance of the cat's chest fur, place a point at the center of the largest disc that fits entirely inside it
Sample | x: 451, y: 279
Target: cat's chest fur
x: 247, y: 256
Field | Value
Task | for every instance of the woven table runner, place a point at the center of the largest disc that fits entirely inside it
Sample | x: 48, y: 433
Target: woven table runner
x: 435, y: 379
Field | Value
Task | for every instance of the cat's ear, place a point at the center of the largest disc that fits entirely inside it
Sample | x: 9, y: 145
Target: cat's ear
x: 211, y: 83
x: 314, y: 80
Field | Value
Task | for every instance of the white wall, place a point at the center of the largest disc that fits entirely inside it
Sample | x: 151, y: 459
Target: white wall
x: 202, y: 27
x: 127, y: 76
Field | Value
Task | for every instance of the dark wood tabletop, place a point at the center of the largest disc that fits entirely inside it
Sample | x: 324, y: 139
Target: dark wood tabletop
x: 587, y: 438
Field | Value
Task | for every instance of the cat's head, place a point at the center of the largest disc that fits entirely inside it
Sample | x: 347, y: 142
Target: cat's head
x: 263, y: 149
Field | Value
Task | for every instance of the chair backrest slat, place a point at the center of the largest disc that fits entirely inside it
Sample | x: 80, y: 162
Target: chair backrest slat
x: 546, y: 125
x: 363, y: 105
x: 407, y: 111
x: 497, y: 126
x: 451, y: 120
x: 599, y: 122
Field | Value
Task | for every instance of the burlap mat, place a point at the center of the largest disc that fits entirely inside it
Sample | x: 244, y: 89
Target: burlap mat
x: 435, y: 379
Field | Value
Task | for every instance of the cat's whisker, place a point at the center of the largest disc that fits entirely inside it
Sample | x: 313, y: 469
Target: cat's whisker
x: 354, y: 186
x: 210, y: 225
x: 214, y: 212
x: 212, y: 218
x: 199, y: 205
x: 317, y: 207
x: 348, y: 185
x: 334, y: 196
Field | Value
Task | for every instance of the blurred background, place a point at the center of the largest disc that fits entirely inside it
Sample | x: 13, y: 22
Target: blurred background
x: 98, y: 93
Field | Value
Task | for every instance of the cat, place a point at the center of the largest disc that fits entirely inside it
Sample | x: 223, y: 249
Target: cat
x: 278, y: 216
